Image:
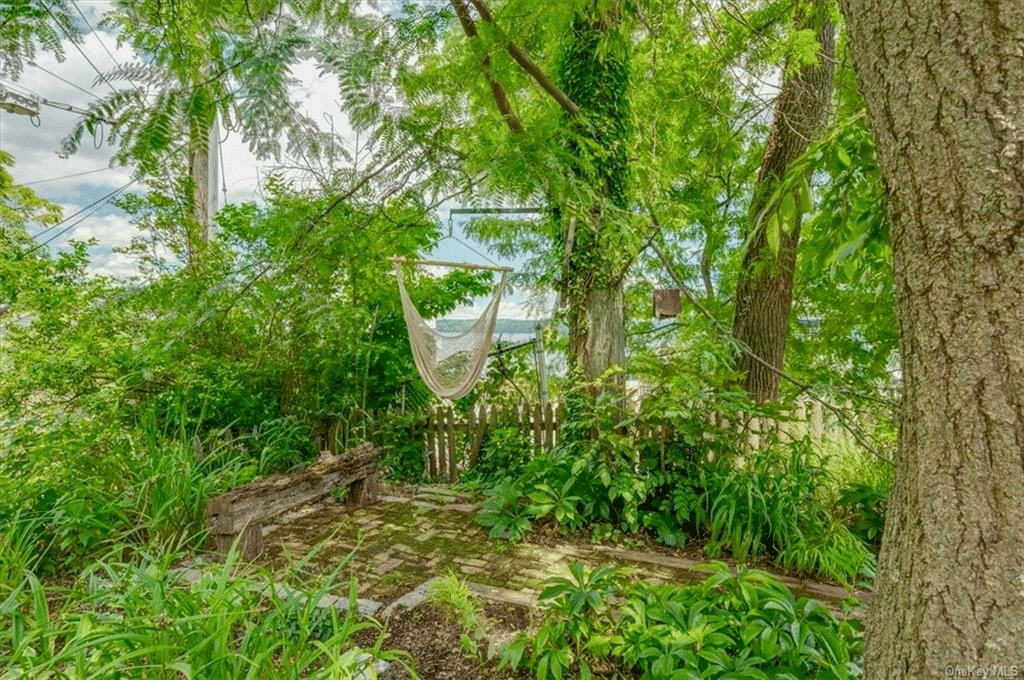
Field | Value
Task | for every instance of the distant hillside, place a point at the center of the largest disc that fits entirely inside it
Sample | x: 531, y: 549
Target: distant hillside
x: 501, y: 327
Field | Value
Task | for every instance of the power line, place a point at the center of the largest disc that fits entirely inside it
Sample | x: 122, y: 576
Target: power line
x: 80, y: 50
x: 98, y: 203
x: 54, y: 179
x: 46, y: 102
x: 63, y: 79
x: 93, y: 30
x: 98, y: 200
x: 14, y: 87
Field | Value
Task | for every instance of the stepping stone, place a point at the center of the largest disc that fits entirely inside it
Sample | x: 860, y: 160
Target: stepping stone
x: 364, y: 605
x: 412, y: 599
x: 471, y: 562
x: 365, y: 673
x: 393, y: 563
x: 519, y: 597
x: 402, y: 548
x: 461, y: 507
x: 426, y: 535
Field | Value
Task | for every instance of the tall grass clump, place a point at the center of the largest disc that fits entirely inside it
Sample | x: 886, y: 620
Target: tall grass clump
x: 143, y: 619
x: 79, y: 486
x: 770, y: 503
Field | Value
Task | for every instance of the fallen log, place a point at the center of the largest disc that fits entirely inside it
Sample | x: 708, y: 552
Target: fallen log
x: 243, y: 510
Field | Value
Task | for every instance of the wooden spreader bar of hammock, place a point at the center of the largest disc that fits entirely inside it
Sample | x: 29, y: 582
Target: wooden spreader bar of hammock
x: 459, y: 265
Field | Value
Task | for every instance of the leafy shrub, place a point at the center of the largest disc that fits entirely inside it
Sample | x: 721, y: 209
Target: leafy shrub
x: 769, y: 504
x: 21, y: 550
x: 696, y: 480
x: 504, y: 452
x: 400, y: 438
x: 154, y: 493
x: 282, y: 444
x: 502, y: 512
x: 831, y: 550
x: 865, y: 505
x: 743, y: 625
x: 756, y: 505
x: 454, y: 598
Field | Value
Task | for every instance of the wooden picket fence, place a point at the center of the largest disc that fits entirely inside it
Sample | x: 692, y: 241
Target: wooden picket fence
x: 452, y: 440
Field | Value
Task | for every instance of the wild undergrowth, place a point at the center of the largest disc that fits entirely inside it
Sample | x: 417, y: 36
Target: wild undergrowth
x: 732, y: 625
x: 454, y: 598
x: 684, y: 469
x: 143, y: 489
x: 144, y: 619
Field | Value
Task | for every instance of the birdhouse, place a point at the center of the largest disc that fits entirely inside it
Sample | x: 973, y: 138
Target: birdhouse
x: 667, y: 303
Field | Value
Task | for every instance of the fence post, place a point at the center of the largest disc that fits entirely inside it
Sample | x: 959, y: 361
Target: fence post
x: 538, y: 428
x: 477, y: 430
x: 431, y: 455
x: 817, y: 420
x: 453, y: 471
x: 549, y: 426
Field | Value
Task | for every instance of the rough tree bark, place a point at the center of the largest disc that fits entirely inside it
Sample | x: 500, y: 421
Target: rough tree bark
x: 764, y: 291
x: 596, y: 77
x: 944, y: 86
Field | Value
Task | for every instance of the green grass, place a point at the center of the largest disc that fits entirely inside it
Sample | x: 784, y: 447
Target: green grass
x: 142, y: 620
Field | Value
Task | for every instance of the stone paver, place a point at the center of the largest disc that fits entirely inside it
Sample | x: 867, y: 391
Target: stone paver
x: 406, y: 540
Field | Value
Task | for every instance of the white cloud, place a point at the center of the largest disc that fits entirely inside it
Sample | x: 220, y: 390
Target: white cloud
x: 115, y: 265
x: 111, y: 230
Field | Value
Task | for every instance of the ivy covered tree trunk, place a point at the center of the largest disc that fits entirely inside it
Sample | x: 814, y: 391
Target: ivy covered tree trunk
x: 764, y: 290
x: 944, y: 86
x: 594, y: 71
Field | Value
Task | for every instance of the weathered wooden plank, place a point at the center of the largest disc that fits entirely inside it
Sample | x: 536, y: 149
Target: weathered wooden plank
x: 478, y: 418
x: 244, y: 509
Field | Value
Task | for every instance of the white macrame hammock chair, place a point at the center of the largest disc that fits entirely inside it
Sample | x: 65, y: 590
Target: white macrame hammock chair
x: 450, y: 364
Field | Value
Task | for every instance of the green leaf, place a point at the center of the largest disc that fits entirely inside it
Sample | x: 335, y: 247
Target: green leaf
x: 771, y: 232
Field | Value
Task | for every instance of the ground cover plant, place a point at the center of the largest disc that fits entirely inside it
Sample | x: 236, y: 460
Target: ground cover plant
x: 741, y: 624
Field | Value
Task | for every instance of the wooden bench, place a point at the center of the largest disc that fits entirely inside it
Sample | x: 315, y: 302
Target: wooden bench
x: 242, y: 511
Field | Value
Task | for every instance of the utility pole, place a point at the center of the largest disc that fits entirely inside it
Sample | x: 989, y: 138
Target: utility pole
x: 542, y: 369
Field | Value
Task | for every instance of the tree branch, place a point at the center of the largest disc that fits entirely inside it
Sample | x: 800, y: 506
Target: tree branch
x: 500, y: 97
x: 804, y: 387
x: 528, y: 64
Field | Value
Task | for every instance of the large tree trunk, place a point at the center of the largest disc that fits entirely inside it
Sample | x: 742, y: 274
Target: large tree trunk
x: 764, y: 291
x: 944, y: 85
x: 595, y: 75
x: 597, y: 331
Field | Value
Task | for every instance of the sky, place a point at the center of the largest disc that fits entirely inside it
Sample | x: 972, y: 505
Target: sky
x: 85, y: 177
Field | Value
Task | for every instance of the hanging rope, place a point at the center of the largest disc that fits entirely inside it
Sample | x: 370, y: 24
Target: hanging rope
x: 449, y: 364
